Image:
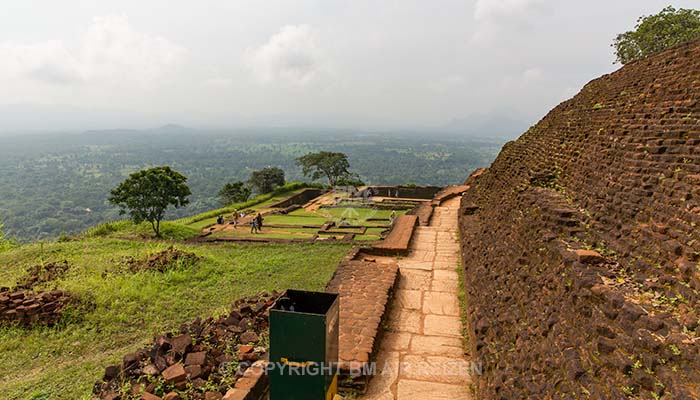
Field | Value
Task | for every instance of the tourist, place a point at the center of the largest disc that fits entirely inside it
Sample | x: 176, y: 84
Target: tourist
x: 220, y: 220
x: 234, y: 220
x: 392, y: 217
x: 259, y: 221
x: 253, y: 225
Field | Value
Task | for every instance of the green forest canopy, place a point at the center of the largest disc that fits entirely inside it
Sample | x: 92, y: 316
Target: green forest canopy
x: 53, y: 184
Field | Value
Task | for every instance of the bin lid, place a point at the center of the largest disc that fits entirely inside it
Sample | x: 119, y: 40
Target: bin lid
x: 300, y: 301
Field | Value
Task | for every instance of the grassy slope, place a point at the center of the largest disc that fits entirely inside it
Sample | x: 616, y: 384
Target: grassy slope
x: 64, y: 362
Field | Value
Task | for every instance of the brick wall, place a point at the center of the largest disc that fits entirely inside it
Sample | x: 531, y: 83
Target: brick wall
x: 615, y: 171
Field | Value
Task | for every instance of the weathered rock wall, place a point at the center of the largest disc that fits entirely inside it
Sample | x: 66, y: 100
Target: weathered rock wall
x: 581, y: 246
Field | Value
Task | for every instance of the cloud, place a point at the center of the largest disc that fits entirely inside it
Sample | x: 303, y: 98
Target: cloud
x: 448, y: 83
x: 50, y: 62
x: 494, y: 10
x: 110, y: 51
x: 218, y: 82
x: 292, y: 56
x: 524, y: 80
x: 492, y: 16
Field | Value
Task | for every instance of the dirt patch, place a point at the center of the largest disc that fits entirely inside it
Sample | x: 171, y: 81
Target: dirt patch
x: 43, y: 273
x: 170, y: 258
x: 202, y: 360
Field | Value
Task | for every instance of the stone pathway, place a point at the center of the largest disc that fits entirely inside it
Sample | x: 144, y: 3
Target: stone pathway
x: 421, y: 354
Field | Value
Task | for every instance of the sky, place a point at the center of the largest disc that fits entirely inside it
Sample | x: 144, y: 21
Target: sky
x: 363, y: 64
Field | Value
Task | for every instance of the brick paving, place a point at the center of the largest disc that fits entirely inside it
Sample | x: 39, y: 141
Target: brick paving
x: 363, y: 286
x: 421, y: 354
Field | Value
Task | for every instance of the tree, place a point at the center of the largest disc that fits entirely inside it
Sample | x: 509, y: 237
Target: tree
x: 655, y: 33
x: 147, y: 194
x: 266, y: 179
x: 334, y: 166
x: 234, y: 192
x: 351, y: 180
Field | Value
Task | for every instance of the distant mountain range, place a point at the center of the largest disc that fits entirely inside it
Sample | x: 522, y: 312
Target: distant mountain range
x: 23, y: 118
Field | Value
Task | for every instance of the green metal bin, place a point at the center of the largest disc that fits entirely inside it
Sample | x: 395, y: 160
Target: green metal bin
x: 304, y: 346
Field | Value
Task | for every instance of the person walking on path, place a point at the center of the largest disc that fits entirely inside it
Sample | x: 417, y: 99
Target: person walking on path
x: 234, y: 220
x: 253, y: 225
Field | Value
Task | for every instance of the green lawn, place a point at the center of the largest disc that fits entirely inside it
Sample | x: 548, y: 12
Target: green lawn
x: 371, y: 234
x: 257, y: 204
x: 64, y: 362
x: 359, y: 216
x: 268, y: 233
x: 297, y: 217
x: 199, y: 225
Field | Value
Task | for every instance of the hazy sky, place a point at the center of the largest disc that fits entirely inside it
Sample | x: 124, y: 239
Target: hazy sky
x: 354, y: 63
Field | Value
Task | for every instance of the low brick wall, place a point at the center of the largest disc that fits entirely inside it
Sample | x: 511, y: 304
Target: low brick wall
x: 399, y: 238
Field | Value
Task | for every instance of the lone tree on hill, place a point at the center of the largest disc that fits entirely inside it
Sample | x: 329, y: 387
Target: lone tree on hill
x: 334, y: 166
x: 266, y: 179
x: 655, y: 33
x: 234, y: 192
x: 146, y: 195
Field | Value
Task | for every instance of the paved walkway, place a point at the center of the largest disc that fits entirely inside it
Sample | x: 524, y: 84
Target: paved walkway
x: 421, y: 354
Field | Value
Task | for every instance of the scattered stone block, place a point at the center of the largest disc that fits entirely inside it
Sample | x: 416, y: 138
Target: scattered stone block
x: 589, y: 257
x: 197, y: 358
x: 175, y: 373
x: 249, y: 337
x: 180, y: 344
x: 149, y: 396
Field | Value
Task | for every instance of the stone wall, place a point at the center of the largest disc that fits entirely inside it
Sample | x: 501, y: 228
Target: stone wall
x: 298, y: 199
x: 581, y: 246
x: 406, y: 192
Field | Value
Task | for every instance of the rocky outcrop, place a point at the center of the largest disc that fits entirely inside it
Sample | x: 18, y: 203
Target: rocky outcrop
x: 581, y: 246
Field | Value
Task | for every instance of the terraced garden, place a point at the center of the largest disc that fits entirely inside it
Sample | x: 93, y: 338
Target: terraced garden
x: 364, y: 224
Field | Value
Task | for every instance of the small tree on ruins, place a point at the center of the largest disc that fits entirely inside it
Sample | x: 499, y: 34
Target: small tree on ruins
x: 655, y: 33
x: 234, y: 192
x: 266, y: 179
x: 146, y: 194
x: 334, y: 166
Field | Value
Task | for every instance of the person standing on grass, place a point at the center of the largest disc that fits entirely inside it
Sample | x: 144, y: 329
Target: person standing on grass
x: 259, y: 221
